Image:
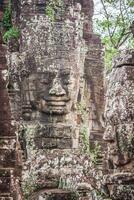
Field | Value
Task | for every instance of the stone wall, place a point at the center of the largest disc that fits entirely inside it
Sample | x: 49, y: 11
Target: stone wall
x: 119, y: 133
x: 10, y: 165
x: 56, y: 95
x: 53, y: 107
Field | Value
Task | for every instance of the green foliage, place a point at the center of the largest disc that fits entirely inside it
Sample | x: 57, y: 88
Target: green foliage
x: 85, y: 139
x: 113, y: 24
x: 99, y: 194
x: 6, y: 21
x: 94, y: 152
x: 13, y: 32
x: 9, y: 30
x: 29, y: 185
x: 110, y: 52
x: 67, y: 184
x: 50, y: 12
x: 52, y: 7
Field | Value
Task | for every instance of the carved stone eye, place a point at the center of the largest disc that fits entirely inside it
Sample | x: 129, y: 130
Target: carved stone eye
x: 65, y: 78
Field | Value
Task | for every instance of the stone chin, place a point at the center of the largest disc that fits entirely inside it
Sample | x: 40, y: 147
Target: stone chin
x: 120, y: 160
x: 53, y: 107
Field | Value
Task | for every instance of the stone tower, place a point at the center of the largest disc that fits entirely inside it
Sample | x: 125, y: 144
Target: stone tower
x: 119, y: 133
x: 10, y: 155
x: 56, y: 76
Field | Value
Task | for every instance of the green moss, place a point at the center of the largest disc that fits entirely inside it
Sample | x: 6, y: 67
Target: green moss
x: 13, y: 32
x: 93, y: 152
x: 6, y: 21
x: 67, y: 184
x: 52, y: 8
x: 9, y: 30
x: 29, y: 185
x: 1, y: 141
x: 50, y: 12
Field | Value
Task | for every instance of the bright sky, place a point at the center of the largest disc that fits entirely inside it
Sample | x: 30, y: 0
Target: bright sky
x: 97, y: 6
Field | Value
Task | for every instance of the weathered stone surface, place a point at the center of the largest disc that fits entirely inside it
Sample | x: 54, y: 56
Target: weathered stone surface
x: 6, y: 198
x: 5, y: 181
x: 56, y: 195
x: 54, y: 104
x: 56, y: 93
x: 125, y: 58
x: 10, y: 167
x: 119, y: 133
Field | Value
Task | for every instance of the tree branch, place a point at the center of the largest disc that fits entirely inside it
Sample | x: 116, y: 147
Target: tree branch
x: 107, y: 17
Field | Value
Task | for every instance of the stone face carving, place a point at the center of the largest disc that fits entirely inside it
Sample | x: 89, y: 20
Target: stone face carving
x: 119, y: 133
x: 50, y: 76
x: 57, y: 67
x: 54, y: 88
x: 49, y: 96
x: 119, y: 113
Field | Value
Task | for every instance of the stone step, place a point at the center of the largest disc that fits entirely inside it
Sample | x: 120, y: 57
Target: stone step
x: 8, y: 169
x: 7, y: 137
x: 8, y: 158
x: 59, y: 194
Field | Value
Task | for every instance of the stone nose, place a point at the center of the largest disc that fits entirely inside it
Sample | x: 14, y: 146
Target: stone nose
x: 57, y: 88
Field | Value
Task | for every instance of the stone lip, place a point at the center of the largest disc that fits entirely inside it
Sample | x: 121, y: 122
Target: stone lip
x: 120, y: 178
x: 126, y: 58
x: 57, y: 194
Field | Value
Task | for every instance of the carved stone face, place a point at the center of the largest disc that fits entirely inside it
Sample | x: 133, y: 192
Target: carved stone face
x: 56, y: 89
x: 119, y: 108
x: 121, y: 143
x: 59, y: 51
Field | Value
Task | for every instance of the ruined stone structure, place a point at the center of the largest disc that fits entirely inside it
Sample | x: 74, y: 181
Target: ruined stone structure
x: 52, y: 100
x: 56, y: 84
x: 10, y: 165
x: 119, y: 133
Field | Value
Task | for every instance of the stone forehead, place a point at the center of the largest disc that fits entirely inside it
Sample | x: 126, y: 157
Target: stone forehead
x: 58, y: 67
x: 55, y: 66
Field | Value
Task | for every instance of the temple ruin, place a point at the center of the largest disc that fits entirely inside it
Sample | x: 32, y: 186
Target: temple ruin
x: 54, y: 145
